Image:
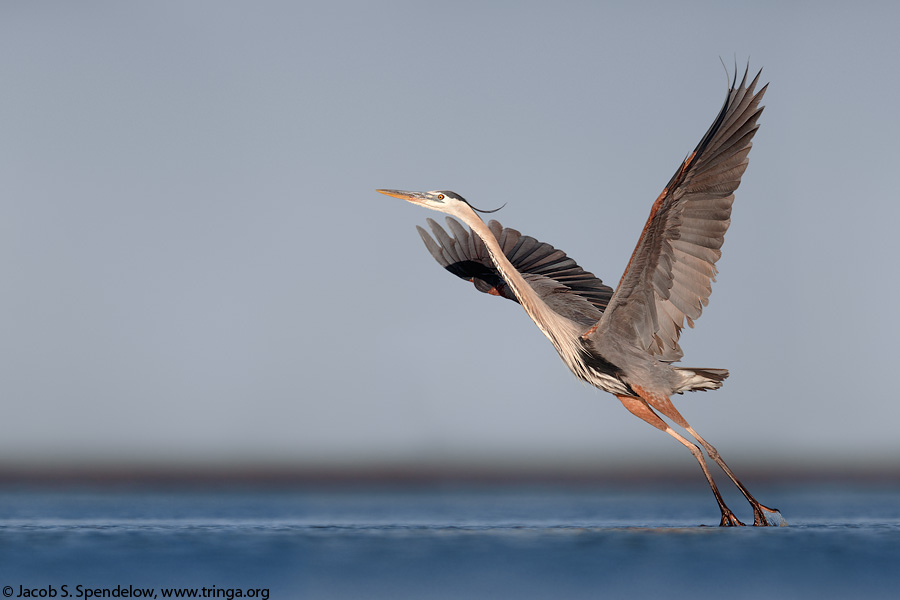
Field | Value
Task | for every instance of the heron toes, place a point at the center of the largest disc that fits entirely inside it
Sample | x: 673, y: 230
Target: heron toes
x: 761, y: 519
x: 729, y: 520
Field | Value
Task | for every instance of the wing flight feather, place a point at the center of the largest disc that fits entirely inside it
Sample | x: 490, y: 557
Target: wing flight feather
x: 669, y: 277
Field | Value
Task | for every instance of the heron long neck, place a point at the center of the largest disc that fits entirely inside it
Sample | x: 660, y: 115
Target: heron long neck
x: 561, y: 331
x: 526, y: 295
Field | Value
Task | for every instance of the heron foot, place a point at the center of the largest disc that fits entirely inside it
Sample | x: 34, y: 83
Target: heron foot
x: 729, y: 520
x: 761, y: 519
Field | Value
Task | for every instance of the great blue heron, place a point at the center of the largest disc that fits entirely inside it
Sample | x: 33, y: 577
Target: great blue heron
x: 624, y: 342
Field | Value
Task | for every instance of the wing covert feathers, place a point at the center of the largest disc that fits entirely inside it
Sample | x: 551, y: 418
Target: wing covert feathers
x: 566, y: 287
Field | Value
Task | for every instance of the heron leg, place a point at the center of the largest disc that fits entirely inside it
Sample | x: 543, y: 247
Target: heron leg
x: 639, y: 408
x: 665, y: 406
x: 759, y: 517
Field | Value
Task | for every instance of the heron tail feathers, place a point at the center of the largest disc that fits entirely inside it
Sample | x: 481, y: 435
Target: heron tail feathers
x: 700, y: 379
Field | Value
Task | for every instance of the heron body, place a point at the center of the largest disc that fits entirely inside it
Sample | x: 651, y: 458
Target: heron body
x: 623, y: 341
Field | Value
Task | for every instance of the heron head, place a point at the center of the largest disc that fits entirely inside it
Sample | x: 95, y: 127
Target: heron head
x: 444, y: 201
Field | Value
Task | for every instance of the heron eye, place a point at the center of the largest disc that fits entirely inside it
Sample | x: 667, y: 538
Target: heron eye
x: 440, y: 196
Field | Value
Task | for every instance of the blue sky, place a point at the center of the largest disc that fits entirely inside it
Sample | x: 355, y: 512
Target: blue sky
x: 198, y: 270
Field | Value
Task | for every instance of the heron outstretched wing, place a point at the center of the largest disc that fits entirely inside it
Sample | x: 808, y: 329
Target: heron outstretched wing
x: 563, y: 285
x: 668, y: 278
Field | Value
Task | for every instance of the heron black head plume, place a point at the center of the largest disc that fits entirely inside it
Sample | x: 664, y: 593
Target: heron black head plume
x: 487, y: 211
x: 458, y: 197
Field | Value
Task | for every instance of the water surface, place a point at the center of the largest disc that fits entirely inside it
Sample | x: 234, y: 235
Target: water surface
x: 452, y: 542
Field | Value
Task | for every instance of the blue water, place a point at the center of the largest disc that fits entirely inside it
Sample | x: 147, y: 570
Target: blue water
x: 451, y: 542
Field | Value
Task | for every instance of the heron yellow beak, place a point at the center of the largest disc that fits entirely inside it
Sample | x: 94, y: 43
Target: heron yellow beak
x: 412, y: 196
